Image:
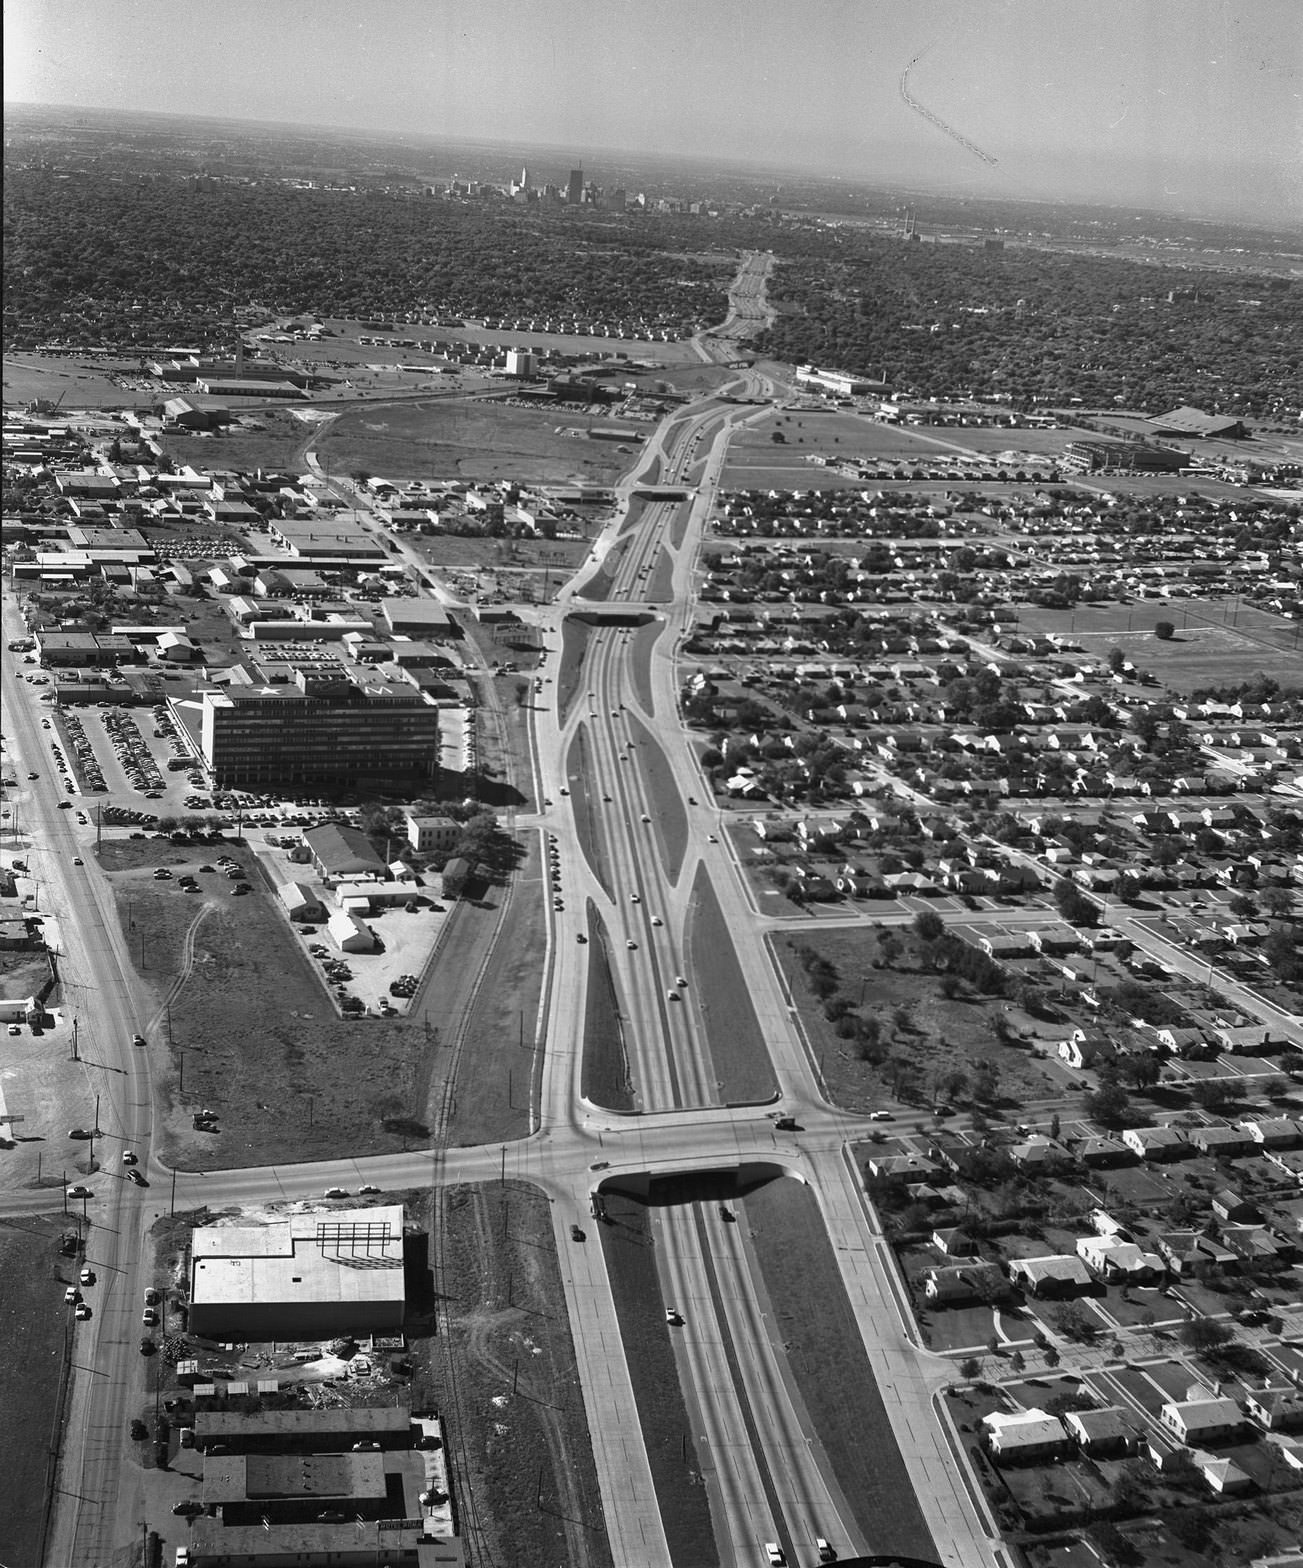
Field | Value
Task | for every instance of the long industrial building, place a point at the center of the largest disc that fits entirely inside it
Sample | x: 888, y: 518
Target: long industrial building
x: 323, y: 728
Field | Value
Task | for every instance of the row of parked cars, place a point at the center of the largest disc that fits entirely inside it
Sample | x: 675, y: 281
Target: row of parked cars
x: 91, y: 775
x: 135, y: 756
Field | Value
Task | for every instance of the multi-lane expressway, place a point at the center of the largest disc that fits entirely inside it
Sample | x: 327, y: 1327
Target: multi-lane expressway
x: 768, y: 1480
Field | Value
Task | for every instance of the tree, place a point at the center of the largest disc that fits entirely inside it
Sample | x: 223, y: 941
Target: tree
x: 970, y: 1367
x: 1278, y: 901
x: 1206, y: 1336
x: 929, y: 926
x: 1243, y: 907
x: 1109, y: 1104
x: 1073, y: 904
x: 985, y: 1083
x: 1116, y: 660
x: 1164, y: 631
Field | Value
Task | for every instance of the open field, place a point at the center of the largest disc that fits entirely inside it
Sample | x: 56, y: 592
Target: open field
x: 627, y: 1244
x: 38, y: 1329
x: 241, y: 448
x: 85, y: 383
x: 1217, y: 643
x: 923, y: 1035
x: 254, y: 1034
x: 743, y: 1072
x: 814, y: 1320
x: 521, y: 1456
x: 470, y: 439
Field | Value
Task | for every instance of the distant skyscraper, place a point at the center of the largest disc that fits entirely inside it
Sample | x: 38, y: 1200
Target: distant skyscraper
x: 615, y: 200
x: 524, y: 178
x: 575, y: 187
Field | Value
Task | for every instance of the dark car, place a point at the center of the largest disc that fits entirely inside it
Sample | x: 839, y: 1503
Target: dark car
x: 576, y: 1233
x: 139, y: 1430
x: 147, y: 1346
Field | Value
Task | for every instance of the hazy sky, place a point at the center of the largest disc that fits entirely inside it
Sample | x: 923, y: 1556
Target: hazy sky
x: 1194, y: 105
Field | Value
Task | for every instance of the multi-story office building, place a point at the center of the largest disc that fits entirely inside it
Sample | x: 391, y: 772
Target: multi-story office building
x: 575, y: 187
x: 320, y: 729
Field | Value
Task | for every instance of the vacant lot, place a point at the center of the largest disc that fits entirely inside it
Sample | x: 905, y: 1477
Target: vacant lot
x: 917, y: 1036
x: 814, y: 1319
x: 522, y: 1456
x: 79, y: 383
x: 242, y: 448
x: 472, y: 439
x: 31, y: 1378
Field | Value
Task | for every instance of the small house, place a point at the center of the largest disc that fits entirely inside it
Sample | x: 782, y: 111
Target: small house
x: 1026, y: 1435
x: 1202, y: 1420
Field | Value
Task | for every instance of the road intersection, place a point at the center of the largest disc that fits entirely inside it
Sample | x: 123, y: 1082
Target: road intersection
x: 766, y: 1473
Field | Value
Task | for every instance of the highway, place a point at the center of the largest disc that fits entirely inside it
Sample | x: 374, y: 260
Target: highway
x: 766, y: 1474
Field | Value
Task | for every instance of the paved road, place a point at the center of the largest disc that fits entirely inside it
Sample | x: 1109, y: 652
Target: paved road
x: 769, y: 1480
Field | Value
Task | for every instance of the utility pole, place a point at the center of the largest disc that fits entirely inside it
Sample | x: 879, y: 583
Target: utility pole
x: 75, y: 1057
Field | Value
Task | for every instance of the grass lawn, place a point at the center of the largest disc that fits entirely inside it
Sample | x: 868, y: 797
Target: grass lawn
x: 506, y: 1381
x: 826, y: 1354
x: 472, y: 439
x: 662, y: 1415
x: 743, y: 1071
x: 39, y: 1329
x: 669, y: 815
x: 575, y: 635
x: 605, y: 1078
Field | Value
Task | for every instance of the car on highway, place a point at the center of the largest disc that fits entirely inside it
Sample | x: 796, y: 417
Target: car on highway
x: 138, y: 1039
x: 65, y: 805
x: 365, y: 1191
x: 137, y: 1177
x: 634, y: 898
x: 632, y: 945
x: 645, y: 817
x: 672, y: 1315
x: 33, y: 775
x: 336, y: 1192
x: 576, y: 1233
x: 671, y: 996
x: 711, y: 839
x: 78, y: 861
x: 80, y: 1192
x: 657, y: 921
x: 580, y: 937
x: 774, y: 1554
x: 881, y: 1116
x: 680, y: 979
x: 128, y: 1157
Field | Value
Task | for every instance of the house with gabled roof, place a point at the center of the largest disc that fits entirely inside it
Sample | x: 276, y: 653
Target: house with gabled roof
x: 1156, y: 1143
x: 1276, y: 1408
x: 1273, y: 1132
x: 1058, y: 1274
x: 1203, y: 1418
x: 1219, y: 1139
x: 1026, y: 1435
x: 962, y: 1283
x: 1117, y: 1261
x: 1108, y: 1431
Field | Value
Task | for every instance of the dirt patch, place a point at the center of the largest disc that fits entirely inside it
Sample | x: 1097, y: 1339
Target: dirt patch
x: 275, y: 448
x: 31, y: 1383
x: 22, y: 974
x: 662, y: 1416
x: 523, y: 1464
x: 829, y: 1366
x: 598, y: 586
x: 743, y: 1071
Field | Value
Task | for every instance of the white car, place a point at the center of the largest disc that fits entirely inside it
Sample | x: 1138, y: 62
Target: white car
x: 774, y: 1554
x: 128, y: 1158
x: 881, y: 1116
